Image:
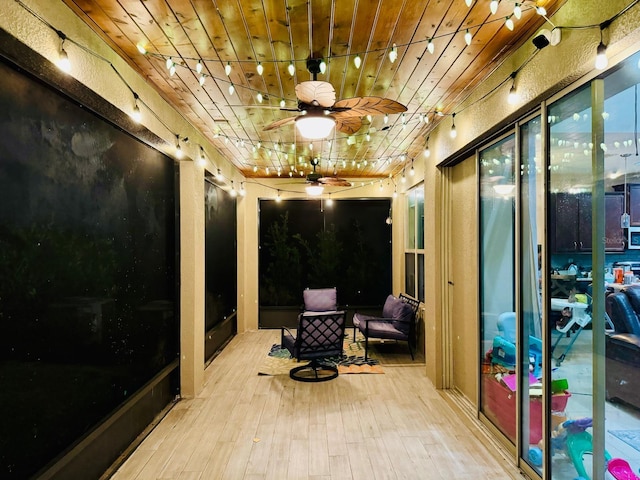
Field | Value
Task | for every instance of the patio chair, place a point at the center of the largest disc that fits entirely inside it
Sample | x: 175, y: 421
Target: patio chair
x: 319, y: 335
x: 398, y: 322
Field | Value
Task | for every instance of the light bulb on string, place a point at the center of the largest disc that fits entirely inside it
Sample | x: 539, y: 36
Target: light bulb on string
x: 136, y: 115
x: 393, y: 54
x: 63, y: 59
x: 427, y: 151
x: 430, y: 46
x: 291, y: 69
x: 412, y: 171
x: 168, y: 63
x: 242, y: 192
x: 323, y: 67
x: 403, y: 179
x: 357, y: 61
x: 601, y: 56
x: 278, y: 197
x: 231, y: 89
x: 259, y: 97
x: 202, y: 161
x: 513, y: 91
x: 493, y: 6
x: 282, y: 103
x: 509, y: 23
x: 179, y: 152
x: 172, y: 70
x: 468, y: 2
x: 386, y: 118
x: 453, y: 133
x: 517, y: 11
x: 468, y: 37
x: 541, y: 11
x: 260, y: 69
x: 201, y: 80
x: 227, y: 69
x: 199, y: 66
x: 141, y: 49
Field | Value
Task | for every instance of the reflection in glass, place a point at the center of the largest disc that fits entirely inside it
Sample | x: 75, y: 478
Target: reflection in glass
x: 532, y: 237
x: 622, y: 167
x: 497, y: 301
x: 570, y: 230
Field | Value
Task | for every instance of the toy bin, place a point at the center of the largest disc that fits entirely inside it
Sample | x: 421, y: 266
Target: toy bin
x: 500, y: 407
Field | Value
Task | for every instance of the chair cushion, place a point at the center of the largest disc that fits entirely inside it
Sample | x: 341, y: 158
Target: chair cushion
x: 401, y: 311
x: 320, y: 299
x: 379, y: 329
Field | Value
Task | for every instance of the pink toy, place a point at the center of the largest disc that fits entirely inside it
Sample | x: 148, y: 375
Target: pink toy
x: 621, y: 470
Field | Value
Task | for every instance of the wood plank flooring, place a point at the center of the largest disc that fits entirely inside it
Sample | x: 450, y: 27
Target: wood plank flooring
x: 246, y: 426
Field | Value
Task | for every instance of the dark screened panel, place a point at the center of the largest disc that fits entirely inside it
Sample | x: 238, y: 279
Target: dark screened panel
x: 87, y: 270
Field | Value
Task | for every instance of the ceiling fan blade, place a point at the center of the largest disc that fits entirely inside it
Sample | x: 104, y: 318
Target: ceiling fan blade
x: 316, y: 93
x: 279, y: 123
x: 362, y: 106
x: 334, y: 182
x: 346, y: 123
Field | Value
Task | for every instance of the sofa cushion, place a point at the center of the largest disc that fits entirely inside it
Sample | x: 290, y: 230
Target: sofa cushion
x: 400, y: 311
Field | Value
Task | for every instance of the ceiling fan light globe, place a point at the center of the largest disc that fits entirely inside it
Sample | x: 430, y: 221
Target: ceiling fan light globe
x: 314, y: 190
x: 315, y: 127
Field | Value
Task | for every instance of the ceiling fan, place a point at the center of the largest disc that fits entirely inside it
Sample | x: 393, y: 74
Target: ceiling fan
x: 319, y: 111
x: 316, y: 182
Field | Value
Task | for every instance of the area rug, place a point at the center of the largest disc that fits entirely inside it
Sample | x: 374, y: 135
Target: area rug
x: 278, y: 361
x: 630, y: 437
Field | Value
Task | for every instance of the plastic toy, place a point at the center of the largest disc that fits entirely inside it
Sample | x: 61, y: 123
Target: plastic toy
x: 572, y: 438
x: 621, y: 470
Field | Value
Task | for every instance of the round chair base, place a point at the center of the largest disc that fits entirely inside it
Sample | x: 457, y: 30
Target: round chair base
x: 314, y: 372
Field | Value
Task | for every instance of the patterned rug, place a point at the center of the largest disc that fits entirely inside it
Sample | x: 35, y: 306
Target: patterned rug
x: 278, y: 361
x: 630, y: 437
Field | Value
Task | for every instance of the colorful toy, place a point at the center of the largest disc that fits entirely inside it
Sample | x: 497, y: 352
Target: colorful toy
x: 572, y: 438
x: 621, y: 470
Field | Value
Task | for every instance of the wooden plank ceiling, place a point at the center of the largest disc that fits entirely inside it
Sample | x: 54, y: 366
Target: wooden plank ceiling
x: 240, y: 33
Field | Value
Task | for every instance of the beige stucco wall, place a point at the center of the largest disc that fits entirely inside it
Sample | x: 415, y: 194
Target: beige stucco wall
x: 553, y: 69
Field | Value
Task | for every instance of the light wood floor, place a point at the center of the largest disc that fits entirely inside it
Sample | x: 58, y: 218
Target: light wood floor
x: 245, y: 426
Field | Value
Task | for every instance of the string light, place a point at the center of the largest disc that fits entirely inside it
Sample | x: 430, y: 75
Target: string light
x: 291, y: 69
x: 233, y: 190
x: 517, y: 11
x: 260, y: 69
x: 201, y: 80
x: 227, y: 69
x: 231, y: 89
x: 63, y: 59
x: 179, y: 152
x: 282, y: 103
x: 453, y: 132
x: 601, y: 56
x: 259, y: 97
x: 136, y: 115
x: 509, y: 23
x: 493, y: 6
x: 243, y: 192
x: 202, y: 161
x: 541, y: 11
x: 357, y: 61
x: 219, y: 176
x: 513, y: 91
x: 323, y: 67
x: 393, y: 54
x: 141, y: 49
x: 430, y: 46
x: 278, y: 197
x: 412, y: 172
x: 468, y: 37
x: 468, y: 2
x: 386, y: 118
x: 199, y: 66
x: 427, y: 151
